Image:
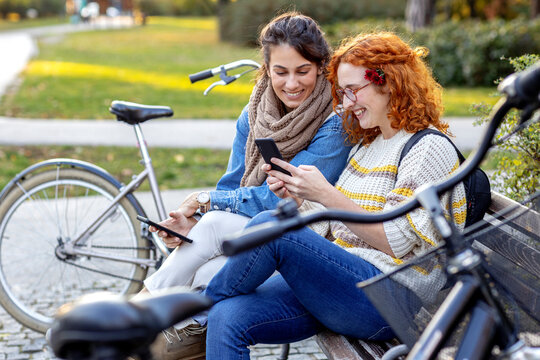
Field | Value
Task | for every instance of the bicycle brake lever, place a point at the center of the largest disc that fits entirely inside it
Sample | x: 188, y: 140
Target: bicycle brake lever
x: 226, y: 80
x: 208, y: 89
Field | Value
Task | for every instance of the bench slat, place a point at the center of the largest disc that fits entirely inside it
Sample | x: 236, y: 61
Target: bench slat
x: 336, y: 347
x: 518, y: 253
x: 529, y: 221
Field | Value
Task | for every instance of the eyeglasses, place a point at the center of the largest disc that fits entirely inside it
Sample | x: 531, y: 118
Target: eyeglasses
x: 350, y: 94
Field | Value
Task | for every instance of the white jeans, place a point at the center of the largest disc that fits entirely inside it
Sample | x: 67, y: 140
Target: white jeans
x: 195, y: 264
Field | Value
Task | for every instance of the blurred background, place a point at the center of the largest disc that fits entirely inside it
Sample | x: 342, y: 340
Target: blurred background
x: 76, y: 75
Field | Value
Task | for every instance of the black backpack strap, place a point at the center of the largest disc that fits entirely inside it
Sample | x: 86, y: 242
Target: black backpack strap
x: 353, y: 151
x: 419, y: 135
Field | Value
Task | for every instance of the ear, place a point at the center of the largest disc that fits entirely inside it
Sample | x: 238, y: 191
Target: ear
x: 319, y: 70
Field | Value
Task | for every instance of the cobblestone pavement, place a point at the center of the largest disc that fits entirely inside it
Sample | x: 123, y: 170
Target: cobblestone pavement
x: 20, y: 343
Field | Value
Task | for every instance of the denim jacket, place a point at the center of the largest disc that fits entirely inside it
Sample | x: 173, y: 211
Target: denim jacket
x: 327, y: 151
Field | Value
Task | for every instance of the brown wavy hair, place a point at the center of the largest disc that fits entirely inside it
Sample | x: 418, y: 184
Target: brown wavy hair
x: 415, y: 96
x: 300, y: 32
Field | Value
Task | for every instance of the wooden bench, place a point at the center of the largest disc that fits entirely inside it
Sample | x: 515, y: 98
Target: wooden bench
x: 518, y: 252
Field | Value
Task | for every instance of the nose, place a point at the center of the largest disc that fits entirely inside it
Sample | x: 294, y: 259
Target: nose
x: 347, y: 103
x: 292, y: 82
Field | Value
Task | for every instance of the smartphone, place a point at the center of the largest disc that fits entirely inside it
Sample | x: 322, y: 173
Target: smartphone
x: 161, y: 227
x: 268, y: 149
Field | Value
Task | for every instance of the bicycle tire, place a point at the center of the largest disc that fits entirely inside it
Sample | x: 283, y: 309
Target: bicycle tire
x: 34, y: 280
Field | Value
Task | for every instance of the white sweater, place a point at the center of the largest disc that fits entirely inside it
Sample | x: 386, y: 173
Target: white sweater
x: 373, y: 180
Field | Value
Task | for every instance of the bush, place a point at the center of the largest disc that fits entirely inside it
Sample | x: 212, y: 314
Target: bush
x: 44, y: 7
x: 518, y: 172
x: 461, y: 53
x: 242, y: 19
x: 177, y: 7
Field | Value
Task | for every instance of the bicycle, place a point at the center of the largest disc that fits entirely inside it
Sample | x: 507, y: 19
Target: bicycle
x: 68, y: 227
x: 469, y: 317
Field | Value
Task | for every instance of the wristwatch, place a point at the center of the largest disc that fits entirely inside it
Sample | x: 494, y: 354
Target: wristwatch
x: 203, y: 198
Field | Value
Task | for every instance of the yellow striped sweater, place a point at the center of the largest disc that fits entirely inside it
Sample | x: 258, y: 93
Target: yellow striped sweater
x: 373, y: 180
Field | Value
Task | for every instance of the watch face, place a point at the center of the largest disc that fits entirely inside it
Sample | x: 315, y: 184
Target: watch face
x: 203, y: 197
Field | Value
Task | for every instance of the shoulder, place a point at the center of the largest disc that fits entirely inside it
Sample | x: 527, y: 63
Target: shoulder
x: 243, y: 119
x: 436, y: 145
x: 332, y: 123
x: 432, y: 153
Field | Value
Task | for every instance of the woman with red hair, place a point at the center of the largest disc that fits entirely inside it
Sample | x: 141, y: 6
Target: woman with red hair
x: 385, y: 93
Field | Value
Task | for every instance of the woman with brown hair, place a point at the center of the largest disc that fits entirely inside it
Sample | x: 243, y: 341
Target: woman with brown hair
x: 384, y: 93
x: 291, y: 103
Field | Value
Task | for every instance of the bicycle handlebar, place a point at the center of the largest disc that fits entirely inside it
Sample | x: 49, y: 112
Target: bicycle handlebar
x: 523, y: 87
x: 205, y: 74
x: 201, y: 75
x: 521, y: 90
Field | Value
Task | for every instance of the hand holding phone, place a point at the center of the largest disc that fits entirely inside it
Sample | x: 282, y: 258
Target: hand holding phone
x: 163, y: 228
x: 268, y: 149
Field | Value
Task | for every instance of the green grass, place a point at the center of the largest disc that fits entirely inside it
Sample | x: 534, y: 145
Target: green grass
x: 80, y: 75
x: 27, y: 23
x: 458, y: 101
x: 77, y: 76
x: 175, y: 168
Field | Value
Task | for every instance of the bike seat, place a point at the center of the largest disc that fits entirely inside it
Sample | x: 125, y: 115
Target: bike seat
x: 104, y: 321
x: 133, y: 113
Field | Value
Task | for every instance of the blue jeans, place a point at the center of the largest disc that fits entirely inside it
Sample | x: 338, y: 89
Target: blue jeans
x: 315, y: 288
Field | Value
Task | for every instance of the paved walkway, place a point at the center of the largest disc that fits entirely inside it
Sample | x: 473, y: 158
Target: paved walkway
x: 216, y: 134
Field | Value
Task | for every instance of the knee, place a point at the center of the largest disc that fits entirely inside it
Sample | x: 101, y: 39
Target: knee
x: 225, y: 323
x: 262, y: 217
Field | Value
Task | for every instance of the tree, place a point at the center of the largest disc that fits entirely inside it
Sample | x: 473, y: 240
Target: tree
x: 535, y: 8
x: 419, y: 13
x: 222, y: 4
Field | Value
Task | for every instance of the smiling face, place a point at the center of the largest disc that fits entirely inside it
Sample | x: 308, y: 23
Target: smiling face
x: 371, y: 107
x: 293, y: 77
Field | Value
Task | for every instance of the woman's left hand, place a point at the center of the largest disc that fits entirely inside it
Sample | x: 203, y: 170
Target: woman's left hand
x: 306, y: 182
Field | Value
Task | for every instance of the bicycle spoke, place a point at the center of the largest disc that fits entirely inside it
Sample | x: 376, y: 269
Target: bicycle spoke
x: 46, y: 213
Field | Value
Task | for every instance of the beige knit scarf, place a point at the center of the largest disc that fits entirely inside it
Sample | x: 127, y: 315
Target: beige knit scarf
x: 292, y: 132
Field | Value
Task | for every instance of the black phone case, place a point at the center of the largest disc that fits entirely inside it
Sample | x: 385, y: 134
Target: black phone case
x: 160, y: 227
x: 268, y: 149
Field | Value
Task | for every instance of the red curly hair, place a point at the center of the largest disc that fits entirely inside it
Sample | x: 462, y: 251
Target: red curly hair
x: 415, y: 96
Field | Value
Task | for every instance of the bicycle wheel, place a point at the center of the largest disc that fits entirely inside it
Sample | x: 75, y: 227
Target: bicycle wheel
x: 43, y: 214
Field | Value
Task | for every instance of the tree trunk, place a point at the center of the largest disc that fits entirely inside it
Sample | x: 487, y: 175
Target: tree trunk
x: 472, y: 8
x: 535, y: 8
x: 222, y: 4
x: 419, y: 13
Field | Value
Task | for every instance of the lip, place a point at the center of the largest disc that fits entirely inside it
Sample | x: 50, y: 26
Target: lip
x: 360, y: 112
x: 297, y: 94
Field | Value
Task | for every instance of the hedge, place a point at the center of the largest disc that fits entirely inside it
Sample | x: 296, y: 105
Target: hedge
x: 243, y: 19
x: 465, y: 53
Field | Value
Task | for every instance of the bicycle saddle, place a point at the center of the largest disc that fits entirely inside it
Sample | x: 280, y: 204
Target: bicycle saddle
x: 133, y: 113
x: 109, y: 323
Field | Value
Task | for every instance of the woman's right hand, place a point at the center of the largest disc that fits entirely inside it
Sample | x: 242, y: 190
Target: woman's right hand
x: 277, y: 186
x: 177, y: 222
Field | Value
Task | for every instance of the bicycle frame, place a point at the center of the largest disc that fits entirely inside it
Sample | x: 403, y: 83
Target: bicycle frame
x: 149, y: 173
